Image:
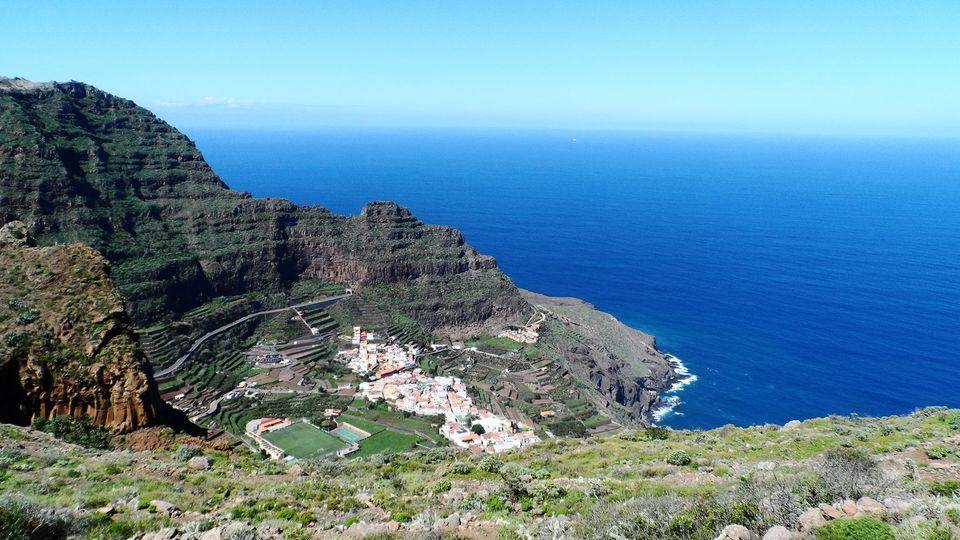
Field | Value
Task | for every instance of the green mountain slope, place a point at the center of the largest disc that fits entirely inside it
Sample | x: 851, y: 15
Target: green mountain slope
x: 80, y: 165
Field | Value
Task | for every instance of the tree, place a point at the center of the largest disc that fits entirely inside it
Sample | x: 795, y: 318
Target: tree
x: 478, y: 429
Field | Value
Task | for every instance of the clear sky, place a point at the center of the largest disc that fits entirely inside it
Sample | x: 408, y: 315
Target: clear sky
x: 876, y: 67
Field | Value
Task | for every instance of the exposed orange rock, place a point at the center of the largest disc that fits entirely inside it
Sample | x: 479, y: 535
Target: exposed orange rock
x: 67, y: 346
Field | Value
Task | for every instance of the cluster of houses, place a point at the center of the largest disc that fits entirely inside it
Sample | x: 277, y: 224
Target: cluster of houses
x: 375, y: 359
x: 524, y: 334
x: 466, y: 425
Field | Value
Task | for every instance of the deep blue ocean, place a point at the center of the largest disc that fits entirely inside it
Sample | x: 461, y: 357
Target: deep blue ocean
x: 795, y: 276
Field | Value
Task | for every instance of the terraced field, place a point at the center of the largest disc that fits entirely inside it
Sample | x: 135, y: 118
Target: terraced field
x: 161, y: 345
x: 318, y: 319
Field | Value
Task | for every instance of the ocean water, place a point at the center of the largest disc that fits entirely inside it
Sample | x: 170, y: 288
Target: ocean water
x: 794, y: 276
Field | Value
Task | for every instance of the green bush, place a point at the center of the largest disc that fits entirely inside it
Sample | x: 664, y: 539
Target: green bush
x: 24, y: 520
x: 490, y: 464
x: 442, y: 486
x: 186, y: 451
x: 679, y: 458
x: 655, y: 433
x: 945, y: 488
x: 953, y: 516
x: 938, y: 452
x: 495, y: 503
x: 862, y: 528
x: 81, y: 431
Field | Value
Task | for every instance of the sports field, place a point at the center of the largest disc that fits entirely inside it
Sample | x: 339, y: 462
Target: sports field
x: 349, y: 433
x: 302, y: 440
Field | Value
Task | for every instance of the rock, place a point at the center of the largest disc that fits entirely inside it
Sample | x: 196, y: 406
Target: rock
x: 168, y: 533
x: 766, y: 466
x: 793, y: 424
x: 364, y: 529
x: 198, y: 463
x: 736, y: 532
x: 897, y: 505
x: 871, y: 507
x: 810, y: 520
x: 849, y: 507
x: 15, y: 234
x: 830, y: 512
x: 295, y: 470
x: 76, y: 313
x: 450, y: 522
x: 212, y: 534
x: 163, y: 507
x: 779, y: 533
x: 234, y: 528
x: 110, y: 509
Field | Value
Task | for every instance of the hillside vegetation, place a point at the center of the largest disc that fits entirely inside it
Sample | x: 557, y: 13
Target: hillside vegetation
x: 895, y: 477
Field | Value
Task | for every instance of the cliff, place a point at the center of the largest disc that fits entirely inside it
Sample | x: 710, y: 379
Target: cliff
x: 67, y: 346
x: 623, y: 364
x: 79, y: 165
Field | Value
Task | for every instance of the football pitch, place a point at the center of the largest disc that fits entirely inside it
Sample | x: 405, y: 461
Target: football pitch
x: 302, y: 440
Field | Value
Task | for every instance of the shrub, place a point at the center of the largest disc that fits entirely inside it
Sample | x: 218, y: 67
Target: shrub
x: 495, y: 503
x: 442, y: 486
x: 953, y: 516
x: 862, y: 528
x: 76, y: 431
x: 459, y: 469
x: 490, y: 464
x: 655, y: 433
x: 186, y: 451
x: 679, y: 458
x: 938, y: 452
x: 21, y: 519
x: 945, y: 488
x: 401, y: 516
x: 846, y: 474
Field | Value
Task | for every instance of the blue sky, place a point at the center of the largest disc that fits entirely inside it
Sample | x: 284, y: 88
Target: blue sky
x: 756, y: 66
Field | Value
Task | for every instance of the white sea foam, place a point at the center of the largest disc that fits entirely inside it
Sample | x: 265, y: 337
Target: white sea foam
x: 669, y: 401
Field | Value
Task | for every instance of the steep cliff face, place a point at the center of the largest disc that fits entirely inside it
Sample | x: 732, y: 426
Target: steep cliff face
x: 66, y: 345
x: 623, y: 364
x: 80, y: 165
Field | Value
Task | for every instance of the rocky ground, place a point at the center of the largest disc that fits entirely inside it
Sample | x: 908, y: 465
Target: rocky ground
x: 895, y: 477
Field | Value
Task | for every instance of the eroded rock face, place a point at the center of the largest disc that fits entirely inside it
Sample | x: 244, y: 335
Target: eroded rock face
x: 66, y: 344
x: 80, y: 165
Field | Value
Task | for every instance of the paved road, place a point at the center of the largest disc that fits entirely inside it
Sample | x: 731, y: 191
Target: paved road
x: 196, y: 344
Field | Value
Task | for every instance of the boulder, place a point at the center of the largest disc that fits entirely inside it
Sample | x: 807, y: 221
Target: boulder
x: 198, y: 463
x: 810, y: 520
x: 295, y: 470
x: 450, y: 522
x: 849, y: 507
x: 168, y: 533
x: 896, y: 505
x: 110, y: 509
x: 16, y: 234
x: 830, y: 511
x: 736, y: 532
x: 779, y: 533
x: 163, y: 507
x: 212, y: 534
x: 793, y: 424
x: 871, y: 507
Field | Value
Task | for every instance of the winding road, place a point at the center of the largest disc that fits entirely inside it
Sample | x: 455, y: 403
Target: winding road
x: 196, y: 344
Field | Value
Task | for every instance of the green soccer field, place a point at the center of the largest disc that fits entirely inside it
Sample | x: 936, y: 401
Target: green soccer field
x: 301, y: 440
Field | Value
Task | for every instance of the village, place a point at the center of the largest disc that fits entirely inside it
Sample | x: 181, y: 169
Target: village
x: 395, y: 380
